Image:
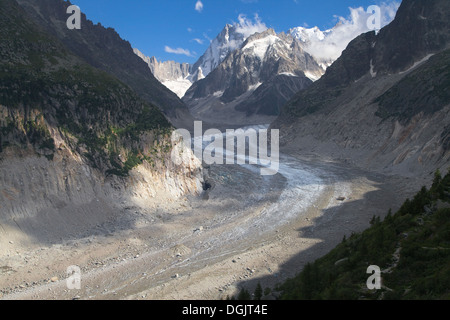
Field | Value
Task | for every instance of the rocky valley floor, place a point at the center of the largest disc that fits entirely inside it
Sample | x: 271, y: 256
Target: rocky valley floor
x: 246, y: 229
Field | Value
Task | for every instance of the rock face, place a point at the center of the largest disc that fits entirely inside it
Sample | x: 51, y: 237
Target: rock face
x: 230, y: 39
x: 169, y: 70
x: 179, y: 77
x: 274, y: 78
x: 384, y: 103
x: 420, y: 28
x: 272, y: 94
x: 175, y: 76
x: 103, y: 48
x: 275, y: 63
x: 75, y: 142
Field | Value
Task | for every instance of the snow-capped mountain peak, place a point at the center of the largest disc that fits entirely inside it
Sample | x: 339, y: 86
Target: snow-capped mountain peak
x: 307, y: 35
x: 256, y: 78
x: 227, y: 41
x: 315, y: 40
x: 259, y: 44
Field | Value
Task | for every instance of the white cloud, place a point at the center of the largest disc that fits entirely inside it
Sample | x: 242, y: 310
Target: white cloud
x: 199, y: 6
x: 178, y: 51
x: 347, y: 29
x: 247, y: 27
x: 199, y: 41
x: 388, y: 12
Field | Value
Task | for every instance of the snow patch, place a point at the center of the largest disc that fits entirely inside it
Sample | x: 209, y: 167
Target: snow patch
x: 289, y: 74
x: 308, y: 34
x: 218, y: 94
x: 311, y: 76
x: 179, y: 86
x: 418, y: 63
x: 259, y: 47
x: 254, y: 87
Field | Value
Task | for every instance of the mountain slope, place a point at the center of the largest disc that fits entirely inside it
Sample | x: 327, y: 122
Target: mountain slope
x: 59, y: 90
x: 265, y: 60
x: 383, y: 104
x: 103, y: 48
x: 75, y: 141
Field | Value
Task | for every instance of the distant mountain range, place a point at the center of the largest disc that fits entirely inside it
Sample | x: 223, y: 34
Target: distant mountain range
x: 177, y: 76
x: 247, y: 63
x: 228, y: 40
x: 221, y: 76
x: 255, y: 79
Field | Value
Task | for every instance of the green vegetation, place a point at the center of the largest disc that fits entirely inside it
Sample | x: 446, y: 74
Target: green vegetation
x: 133, y: 160
x: 244, y: 295
x: 33, y: 131
x: 97, y: 115
x: 101, y: 113
x: 412, y: 248
x: 38, y: 134
x: 258, y: 294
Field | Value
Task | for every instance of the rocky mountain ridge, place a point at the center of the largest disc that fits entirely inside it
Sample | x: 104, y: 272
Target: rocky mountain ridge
x: 104, y: 49
x: 174, y: 75
x: 179, y: 77
x: 273, y: 63
x: 383, y: 104
x: 228, y: 40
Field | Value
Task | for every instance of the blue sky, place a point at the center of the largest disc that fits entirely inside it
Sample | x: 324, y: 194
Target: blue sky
x: 156, y: 26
